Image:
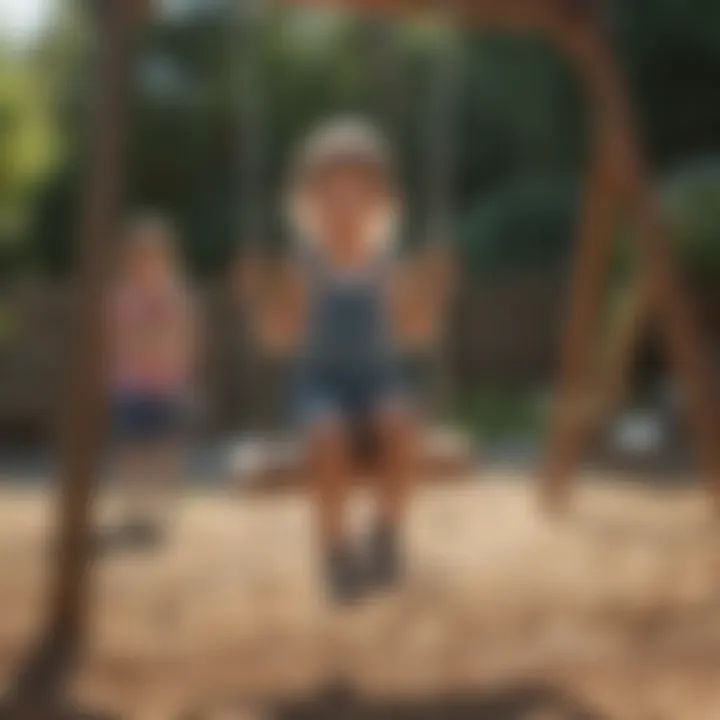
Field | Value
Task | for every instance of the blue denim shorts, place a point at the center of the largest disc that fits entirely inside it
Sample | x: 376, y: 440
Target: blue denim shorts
x: 140, y: 417
x: 350, y: 394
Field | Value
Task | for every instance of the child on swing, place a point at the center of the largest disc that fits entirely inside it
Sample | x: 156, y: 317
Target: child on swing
x: 152, y: 350
x: 348, y: 311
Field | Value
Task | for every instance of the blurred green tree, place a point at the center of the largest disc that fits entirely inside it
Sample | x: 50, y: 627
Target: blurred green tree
x: 692, y: 205
x: 528, y: 225
x: 29, y: 144
x: 521, y: 121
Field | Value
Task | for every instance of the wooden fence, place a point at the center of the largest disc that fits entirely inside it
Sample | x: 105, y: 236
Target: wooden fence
x: 505, y: 331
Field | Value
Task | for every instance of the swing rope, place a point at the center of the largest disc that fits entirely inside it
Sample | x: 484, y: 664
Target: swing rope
x: 249, y: 220
x: 246, y: 36
x: 439, y: 173
x: 442, y: 96
x: 389, y: 76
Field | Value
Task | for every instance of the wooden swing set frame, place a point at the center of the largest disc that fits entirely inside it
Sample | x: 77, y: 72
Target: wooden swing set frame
x: 617, y: 183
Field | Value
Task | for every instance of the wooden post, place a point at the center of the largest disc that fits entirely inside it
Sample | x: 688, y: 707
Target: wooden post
x: 689, y: 356
x: 573, y: 412
x: 573, y: 417
x: 688, y: 353
x: 116, y: 20
x: 632, y: 317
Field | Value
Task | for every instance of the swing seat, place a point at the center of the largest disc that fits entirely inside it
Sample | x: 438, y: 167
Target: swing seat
x: 275, y: 465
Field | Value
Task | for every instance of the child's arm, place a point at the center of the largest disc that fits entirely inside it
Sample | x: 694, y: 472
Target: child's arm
x: 274, y: 294
x: 420, y: 295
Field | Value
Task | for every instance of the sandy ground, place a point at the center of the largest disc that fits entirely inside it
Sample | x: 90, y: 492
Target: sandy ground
x: 611, y: 613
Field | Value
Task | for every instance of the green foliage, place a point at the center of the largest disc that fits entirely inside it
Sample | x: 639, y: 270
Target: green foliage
x: 29, y: 144
x: 526, y: 225
x: 692, y: 206
x: 518, y: 141
x: 524, y: 113
x: 671, y: 52
x: 498, y: 413
x: 41, y: 89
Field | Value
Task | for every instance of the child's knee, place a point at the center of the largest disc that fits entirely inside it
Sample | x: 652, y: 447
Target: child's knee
x: 327, y: 436
x: 396, y: 422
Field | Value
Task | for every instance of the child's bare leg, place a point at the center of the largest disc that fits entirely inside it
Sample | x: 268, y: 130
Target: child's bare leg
x: 330, y: 468
x: 133, y: 475
x: 329, y: 461
x: 164, y: 482
x: 397, y: 434
x: 149, y: 482
x: 398, y: 446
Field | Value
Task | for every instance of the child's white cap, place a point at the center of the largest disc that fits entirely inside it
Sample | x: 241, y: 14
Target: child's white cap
x: 345, y: 139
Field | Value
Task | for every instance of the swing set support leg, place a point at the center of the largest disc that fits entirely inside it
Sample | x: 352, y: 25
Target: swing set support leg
x: 571, y: 424
x: 46, y: 671
x: 689, y: 355
x: 619, y: 144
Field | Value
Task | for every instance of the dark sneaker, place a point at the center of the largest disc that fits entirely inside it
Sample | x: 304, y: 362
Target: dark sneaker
x: 385, y: 557
x: 344, y: 576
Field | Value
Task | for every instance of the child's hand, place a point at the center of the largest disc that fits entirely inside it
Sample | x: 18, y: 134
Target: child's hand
x: 421, y: 295
x: 272, y: 293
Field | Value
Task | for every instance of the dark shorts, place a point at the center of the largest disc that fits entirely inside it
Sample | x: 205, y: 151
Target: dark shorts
x: 147, y: 418
x: 349, y: 394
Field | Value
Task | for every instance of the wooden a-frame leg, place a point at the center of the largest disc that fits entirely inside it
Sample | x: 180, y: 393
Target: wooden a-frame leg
x: 43, y: 677
x: 624, y: 336
x: 689, y: 355
x: 659, y: 293
x: 572, y: 415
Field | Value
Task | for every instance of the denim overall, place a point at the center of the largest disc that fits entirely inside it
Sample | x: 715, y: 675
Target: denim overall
x: 348, y: 365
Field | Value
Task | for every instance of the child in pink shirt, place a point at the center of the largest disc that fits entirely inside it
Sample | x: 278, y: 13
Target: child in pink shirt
x: 152, y: 363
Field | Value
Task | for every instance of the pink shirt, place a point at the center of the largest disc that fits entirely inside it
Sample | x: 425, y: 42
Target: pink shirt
x: 152, y: 339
